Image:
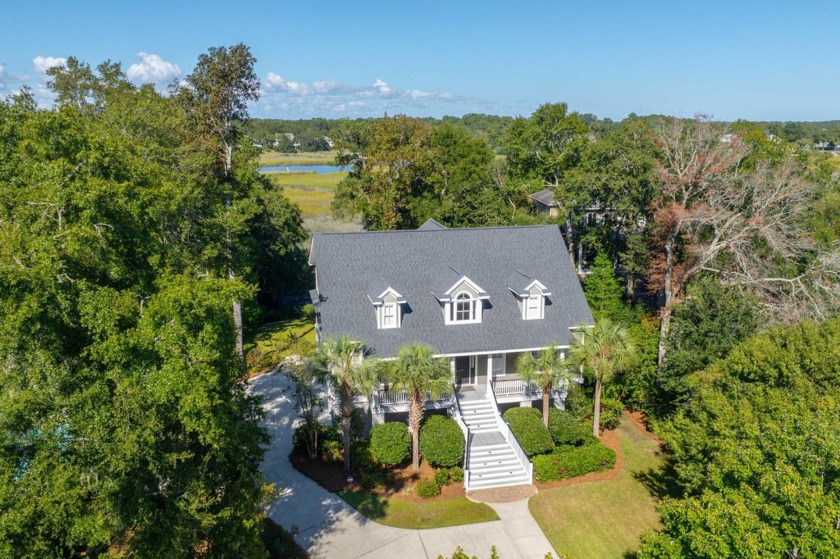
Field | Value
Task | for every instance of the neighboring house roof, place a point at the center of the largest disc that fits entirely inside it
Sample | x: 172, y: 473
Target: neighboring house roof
x: 424, y: 264
x: 545, y: 196
x: 431, y: 225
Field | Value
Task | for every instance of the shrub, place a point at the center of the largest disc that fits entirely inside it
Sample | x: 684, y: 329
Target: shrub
x: 441, y: 441
x: 364, y: 464
x: 427, y: 488
x: 567, y: 429
x: 610, y: 413
x: 526, y: 424
x: 390, y: 443
x: 573, y: 461
x: 329, y: 443
x: 448, y: 476
x: 331, y: 451
x: 308, y: 311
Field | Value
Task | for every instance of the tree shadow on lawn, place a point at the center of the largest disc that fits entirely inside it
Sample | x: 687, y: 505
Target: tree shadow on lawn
x: 661, y: 482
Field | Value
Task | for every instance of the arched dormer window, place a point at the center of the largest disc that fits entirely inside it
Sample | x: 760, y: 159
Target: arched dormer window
x: 465, y: 308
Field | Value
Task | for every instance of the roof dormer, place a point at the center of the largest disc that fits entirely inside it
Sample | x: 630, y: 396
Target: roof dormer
x: 387, y: 303
x: 530, y: 294
x: 461, y: 298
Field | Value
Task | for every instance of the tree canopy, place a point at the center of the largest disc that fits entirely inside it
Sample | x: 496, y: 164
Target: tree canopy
x: 757, y: 452
x: 125, y: 422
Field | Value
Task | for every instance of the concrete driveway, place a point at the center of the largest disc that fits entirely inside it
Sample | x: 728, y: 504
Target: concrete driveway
x: 330, y: 528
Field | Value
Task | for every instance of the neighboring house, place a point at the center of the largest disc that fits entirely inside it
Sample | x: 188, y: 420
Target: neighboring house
x: 544, y: 201
x: 479, y: 297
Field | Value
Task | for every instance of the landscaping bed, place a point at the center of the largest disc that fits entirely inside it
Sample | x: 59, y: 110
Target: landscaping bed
x: 400, y: 482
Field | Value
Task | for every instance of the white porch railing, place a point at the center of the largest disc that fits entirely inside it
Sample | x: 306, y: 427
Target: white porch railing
x: 394, y: 398
x: 511, y: 387
x: 459, y: 418
x: 504, y: 429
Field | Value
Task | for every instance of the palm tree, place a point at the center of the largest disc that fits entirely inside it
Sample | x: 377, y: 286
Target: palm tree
x: 341, y: 358
x: 604, y: 350
x: 418, y: 373
x: 545, y: 370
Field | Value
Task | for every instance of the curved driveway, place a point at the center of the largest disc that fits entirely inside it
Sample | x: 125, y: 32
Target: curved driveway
x: 330, y: 528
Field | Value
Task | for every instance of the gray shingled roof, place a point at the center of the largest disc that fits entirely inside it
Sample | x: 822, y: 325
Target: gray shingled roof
x: 348, y: 264
x: 545, y: 196
x: 520, y: 282
x: 431, y: 225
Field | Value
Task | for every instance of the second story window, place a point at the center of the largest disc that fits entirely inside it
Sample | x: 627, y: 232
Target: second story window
x: 534, y: 307
x: 389, y: 315
x: 465, y: 308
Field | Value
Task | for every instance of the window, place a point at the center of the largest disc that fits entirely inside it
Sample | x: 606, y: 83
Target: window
x: 463, y: 307
x: 534, y: 307
x: 389, y: 316
x: 498, y: 364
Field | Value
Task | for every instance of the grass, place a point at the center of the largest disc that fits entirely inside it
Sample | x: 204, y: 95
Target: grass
x: 303, y: 158
x: 272, y: 336
x: 408, y: 514
x: 302, y: 179
x: 271, y: 343
x: 604, y: 519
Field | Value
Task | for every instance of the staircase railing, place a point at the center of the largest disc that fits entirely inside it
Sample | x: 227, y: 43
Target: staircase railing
x: 459, y: 418
x: 504, y: 429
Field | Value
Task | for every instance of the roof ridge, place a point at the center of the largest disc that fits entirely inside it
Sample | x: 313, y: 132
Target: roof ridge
x: 448, y: 230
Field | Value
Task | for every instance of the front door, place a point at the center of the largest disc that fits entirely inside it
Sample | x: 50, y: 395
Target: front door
x: 465, y: 369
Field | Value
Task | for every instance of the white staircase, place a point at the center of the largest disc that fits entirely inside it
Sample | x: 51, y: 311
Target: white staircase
x: 492, y: 460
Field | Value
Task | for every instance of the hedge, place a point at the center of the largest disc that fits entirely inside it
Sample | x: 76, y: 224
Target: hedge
x: 568, y: 429
x: 441, y: 442
x: 573, y: 461
x: 390, y: 443
x: 527, y: 425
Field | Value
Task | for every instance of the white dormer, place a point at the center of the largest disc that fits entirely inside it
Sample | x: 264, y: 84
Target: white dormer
x: 530, y: 295
x: 462, y: 300
x: 387, y: 304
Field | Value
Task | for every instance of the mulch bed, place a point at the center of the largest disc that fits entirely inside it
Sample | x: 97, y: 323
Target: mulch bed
x: 332, y: 477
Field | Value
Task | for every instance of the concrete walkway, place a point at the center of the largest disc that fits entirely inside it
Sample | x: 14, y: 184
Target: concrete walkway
x: 330, y: 528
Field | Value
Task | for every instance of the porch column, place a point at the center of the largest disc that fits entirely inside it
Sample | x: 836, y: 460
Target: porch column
x: 489, y: 375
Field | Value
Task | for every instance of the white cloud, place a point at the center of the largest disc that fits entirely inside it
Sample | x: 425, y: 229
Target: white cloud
x: 276, y: 82
x: 280, y: 95
x: 152, y: 69
x: 44, y: 63
x: 382, y: 87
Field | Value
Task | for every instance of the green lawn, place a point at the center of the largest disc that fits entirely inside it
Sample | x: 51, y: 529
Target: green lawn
x: 407, y: 514
x: 303, y: 158
x: 303, y: 179
x: 271, y: 343
x: 604, y: 519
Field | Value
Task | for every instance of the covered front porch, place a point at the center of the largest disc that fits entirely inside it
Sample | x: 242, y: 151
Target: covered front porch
x: 476, y: 376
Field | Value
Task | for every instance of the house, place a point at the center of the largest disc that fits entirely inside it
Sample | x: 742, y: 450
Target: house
x: 544, y: 200
x: 480, y: 297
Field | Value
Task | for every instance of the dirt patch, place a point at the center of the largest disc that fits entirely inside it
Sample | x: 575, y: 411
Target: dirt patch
x: 610, y: 440
x: 400, y: 485
x: 640, y: 420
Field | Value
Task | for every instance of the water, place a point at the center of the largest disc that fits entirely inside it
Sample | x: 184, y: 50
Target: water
x: 320, y: 169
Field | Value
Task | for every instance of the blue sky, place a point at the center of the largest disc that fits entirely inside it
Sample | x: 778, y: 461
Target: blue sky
x: 755, y: 60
